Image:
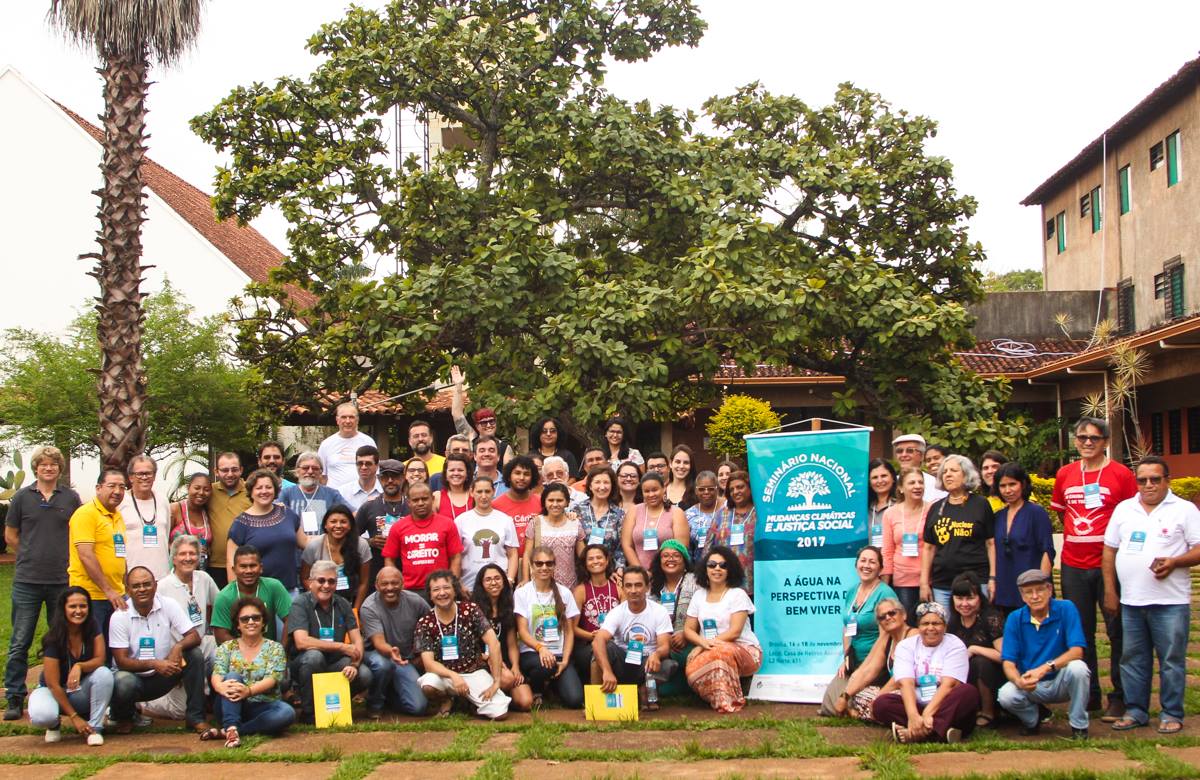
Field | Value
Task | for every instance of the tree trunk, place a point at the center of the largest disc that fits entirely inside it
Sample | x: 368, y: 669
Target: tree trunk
x: 121, y: 385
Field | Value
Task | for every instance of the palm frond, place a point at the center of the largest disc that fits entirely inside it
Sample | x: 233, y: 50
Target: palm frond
x: 1092, y: 405
x: 1130, y: 362
x: 165, y: 28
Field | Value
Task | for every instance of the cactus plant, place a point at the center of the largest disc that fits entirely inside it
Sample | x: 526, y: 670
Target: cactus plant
x: 11, y: 482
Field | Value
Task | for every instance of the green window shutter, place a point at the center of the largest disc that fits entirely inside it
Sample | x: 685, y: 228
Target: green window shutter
x: 1060, y: 230
x: 1123, y: 186
x: 1175, y: 291
x: 1097, y: 216
x: 1173, y: 159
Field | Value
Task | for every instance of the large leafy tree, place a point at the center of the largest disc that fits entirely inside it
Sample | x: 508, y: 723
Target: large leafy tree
x: 583, y: 254
x: 195, y: 397
x: 125, y: 35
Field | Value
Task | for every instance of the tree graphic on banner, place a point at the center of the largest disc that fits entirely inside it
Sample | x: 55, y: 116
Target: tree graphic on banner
x: 808, y: 484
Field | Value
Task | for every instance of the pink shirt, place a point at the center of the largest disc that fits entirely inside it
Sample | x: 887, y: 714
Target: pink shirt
x: 897, y: 521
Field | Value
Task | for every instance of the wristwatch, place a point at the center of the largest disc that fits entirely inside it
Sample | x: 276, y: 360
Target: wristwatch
x: 1053, y: 666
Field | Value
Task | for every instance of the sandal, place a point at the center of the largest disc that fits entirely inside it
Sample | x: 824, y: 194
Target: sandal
x: 899, y: 734
x: 983, y: 721
x: 1126, y: 723
x: 232, y: 740
x: 209, y: 733
x: 1169, y: 727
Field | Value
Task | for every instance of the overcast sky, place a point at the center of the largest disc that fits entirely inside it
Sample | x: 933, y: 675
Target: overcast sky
x: 1018, y: 88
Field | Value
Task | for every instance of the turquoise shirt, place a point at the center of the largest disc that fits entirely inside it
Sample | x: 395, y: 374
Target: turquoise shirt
x: 868, y: 629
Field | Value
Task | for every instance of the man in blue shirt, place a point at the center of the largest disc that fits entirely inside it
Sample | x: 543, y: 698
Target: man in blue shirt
x: 309, y: 498
x: 1043, y: 656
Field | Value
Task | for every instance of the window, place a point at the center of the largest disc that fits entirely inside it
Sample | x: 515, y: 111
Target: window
x: 1174, y: 292
x: 1097, y: 210
x: 1085, y: 206
x: 1193, y: 421
x: 1060, y: 229
x: 1123, y: 185
x: 1125, y: 308
x: 1173, y: 159
x: 1156, y: 156
x: 1175, y: 431
x: 1156, y: 433
x: 1049, y: 229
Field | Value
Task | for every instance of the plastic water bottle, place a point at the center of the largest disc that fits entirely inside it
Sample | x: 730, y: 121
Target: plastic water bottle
x: 651, y: 690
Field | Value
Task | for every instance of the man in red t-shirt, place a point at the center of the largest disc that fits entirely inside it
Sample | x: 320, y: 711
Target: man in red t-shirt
x: 422, y: 542
x: 1085, y: 493
x: 520, y: 501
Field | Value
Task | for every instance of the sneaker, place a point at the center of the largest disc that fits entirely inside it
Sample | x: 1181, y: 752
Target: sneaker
x: 95, y: 739
x: 142, y: 721
x: 15, y: 708
x: 374, y: 713
x: 1044, y: 713
x: 53, y: 735
x: 1079, y: 734
x: 1114, y: 711
x: 1031, y: 731
x: 953, y: 736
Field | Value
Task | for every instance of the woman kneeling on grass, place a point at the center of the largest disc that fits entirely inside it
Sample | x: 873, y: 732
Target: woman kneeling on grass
x: 853, y: 695
x: 934, y: 701
x: 718, y: 624
x: 246, y: 677
x: 75, y: 682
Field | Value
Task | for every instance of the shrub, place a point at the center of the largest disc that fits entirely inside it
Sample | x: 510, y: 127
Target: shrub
x: 738, y: 416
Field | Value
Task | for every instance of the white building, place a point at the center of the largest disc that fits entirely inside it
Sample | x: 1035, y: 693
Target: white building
x: 51, y: 157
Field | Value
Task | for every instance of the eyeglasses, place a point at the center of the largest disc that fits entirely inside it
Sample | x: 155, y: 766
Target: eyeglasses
x: 311, y: 467
x: 488, y: 421
x: 366, y: 464
x: 891, y: 613
x: 906, y: 450
x: 541, y: 564
x: 230, y: 470
x: 549, y: 430
x: 628, y: 476
x: 1084, y: 438
x: 717, y: 565
x: 325, y: 580
x: 250, y: 618
x: 143, y: 474
x: 1150, y: 480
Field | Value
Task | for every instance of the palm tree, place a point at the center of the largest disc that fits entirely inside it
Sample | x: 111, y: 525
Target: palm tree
x: 125, y: 34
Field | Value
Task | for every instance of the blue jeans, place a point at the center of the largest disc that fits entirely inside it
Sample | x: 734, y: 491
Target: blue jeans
x: 1072, y: 684
x: 1163, y: 629
x: 303, y: 666
x: 102, y: 612
x: 567, y: 685
x: 394, y: 685
x: 254, y: 717
x: 92, y: 698
x: 27, y: 601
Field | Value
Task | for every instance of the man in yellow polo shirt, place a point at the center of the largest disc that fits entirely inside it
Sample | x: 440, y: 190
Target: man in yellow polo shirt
x: 229, y: 499
x: 97, y: 538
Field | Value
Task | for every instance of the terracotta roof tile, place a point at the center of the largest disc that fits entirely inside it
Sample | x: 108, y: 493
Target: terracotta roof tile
x: 379, y: 402
x: 1001, y: 356
x: 245, y: 247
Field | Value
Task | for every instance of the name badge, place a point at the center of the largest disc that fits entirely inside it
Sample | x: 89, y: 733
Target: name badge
x: 908, y: 546
x: 851, y: 627
x: 737, y: 535
x: 668, y: 599
x: 650, y: 539
x: 449, y: 648
x: 877, y: 536
x: 927, y: 686
x: 308, y: 519
x: 385, y: 523
x: 634, y: 651
x: 596, y: 536
x: 119, y: 545
x: 149, y: 535
x: 146, y: 648
x: 343, y: 582
x: 203, y: 554
x: 709, y: 628
x: 1137, y: 541
x: 600, y: 618
x: 701, y: 539
x: 1091, y: 496
x: 333, y: 702
x: 550, y: 631
x: 326, y: 633
x: 194, y: 613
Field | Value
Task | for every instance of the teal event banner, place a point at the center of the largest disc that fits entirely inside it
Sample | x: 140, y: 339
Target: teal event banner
x: 810, y: 495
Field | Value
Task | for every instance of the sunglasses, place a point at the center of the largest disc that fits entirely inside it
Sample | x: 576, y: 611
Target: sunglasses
x: 488, y: 421
x: 891, y: 613
x: 541, y: 564
x: 1150, y: 480
x: 1088, y: 439
x: 717, y: 565
x: 325, y: 580
x: 250, y: 618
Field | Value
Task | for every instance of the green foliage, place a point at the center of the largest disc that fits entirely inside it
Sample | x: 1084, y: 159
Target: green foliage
x: 1038, y: 450
x: 738, y: 416
x: 1186, y: 487
x: 196, y: 397
x: 1012, y: 281
x: 583, y: 254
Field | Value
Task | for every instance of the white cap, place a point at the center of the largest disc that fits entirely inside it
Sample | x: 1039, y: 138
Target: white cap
x: 918, y: 438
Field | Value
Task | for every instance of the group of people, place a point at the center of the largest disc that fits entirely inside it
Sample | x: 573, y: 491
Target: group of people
x: 955, y: 622
x: 496, y: 579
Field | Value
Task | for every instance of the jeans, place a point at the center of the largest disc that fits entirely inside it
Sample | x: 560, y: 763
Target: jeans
x: 1163, y: 628
x: 1085, y: 589
x: 254, y: 717
x: 566, y: 685
x: 394, y: 685
x: 309, y: 662
x: 27, y: 601
x: 1070, y: 684
x: 92, y: 698
x: 102, y: 611
x: 131, y: 688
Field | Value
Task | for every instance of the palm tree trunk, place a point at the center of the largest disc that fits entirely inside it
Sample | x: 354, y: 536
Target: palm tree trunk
x: 121, y: 384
